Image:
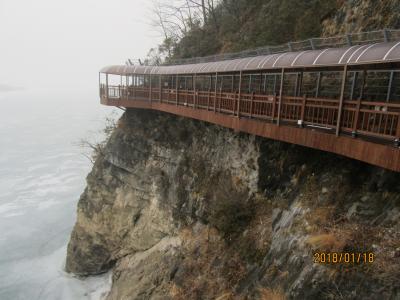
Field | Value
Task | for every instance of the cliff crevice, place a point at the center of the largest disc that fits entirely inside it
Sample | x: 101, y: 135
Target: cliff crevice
x: 182, y: 209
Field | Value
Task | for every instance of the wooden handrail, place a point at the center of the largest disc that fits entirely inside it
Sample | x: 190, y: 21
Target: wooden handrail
x: 366, y: 117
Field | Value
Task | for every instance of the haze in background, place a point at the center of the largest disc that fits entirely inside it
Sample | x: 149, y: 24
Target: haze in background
x: 50, y: 55
x: 53, y: 44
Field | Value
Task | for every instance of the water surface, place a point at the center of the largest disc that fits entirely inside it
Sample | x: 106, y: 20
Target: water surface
x: 42, y: 174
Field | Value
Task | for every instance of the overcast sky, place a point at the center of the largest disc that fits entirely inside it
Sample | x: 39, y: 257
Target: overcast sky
x: 62, y: 44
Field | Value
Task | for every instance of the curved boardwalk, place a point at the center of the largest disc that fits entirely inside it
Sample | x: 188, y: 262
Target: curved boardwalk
x: 343, y: 100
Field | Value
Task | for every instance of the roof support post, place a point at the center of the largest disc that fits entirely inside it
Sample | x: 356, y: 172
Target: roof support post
x: 398, y: 128
x: 126, y: 86
x: 250, y: 83
x: 209, y: 93
x: 160, y: 85
x: 303, y: 108
x: 299, y: 81
x: 194, y: 91
x: 134, y: 86
x: 273, y: 107
x: 107, y: 86
x: 389, y: 90
x: 120, y: 89
x: 265, y: 84
x: 215, y: 91
x: 251, y: 104
x: 280, y: 97
x: 151, y: 89
x: 220, y: 93
x: 177, y: 88
x: 100, y: 88
x: 260, y: 83
x: 353, y: 85
x: 318, y: 85
x: 239, y: 96
x: 340, y: 109
x: 356, y: 117
x: 363, y: 84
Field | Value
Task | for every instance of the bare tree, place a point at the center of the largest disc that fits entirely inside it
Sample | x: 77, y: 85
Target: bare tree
x: 175, y: 18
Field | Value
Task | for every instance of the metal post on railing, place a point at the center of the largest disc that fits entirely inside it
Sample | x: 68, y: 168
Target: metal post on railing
x: 280, y: 97
x: 290, y: 46
x: 385, y: 35
x: 312, y: 44
x: 339, y: 118
x: 348, y: 40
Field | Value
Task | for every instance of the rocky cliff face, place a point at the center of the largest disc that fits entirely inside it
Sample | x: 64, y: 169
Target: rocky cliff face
x: 362, y: 15
x: 181, y: 209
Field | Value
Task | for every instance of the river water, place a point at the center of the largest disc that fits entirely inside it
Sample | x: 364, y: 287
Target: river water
x: 42, y: 174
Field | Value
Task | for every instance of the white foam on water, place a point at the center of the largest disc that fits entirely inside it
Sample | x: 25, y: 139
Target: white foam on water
x: 42, y: 174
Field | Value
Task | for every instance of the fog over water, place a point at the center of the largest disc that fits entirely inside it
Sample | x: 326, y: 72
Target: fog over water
x: 42, y: 173
x: 50, y: 55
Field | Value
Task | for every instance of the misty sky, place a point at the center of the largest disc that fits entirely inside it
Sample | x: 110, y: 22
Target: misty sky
x: 61, y: 44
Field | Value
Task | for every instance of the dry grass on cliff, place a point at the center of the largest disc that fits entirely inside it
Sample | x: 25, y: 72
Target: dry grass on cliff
x: 207, y: 271
x: 328, y: 242
x: 271, y: 294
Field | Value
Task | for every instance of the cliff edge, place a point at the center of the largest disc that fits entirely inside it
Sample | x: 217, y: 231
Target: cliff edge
x: 181, y: 209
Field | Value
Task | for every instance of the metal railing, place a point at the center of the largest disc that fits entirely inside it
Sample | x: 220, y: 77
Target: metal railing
x: 360, y: 38
x: 379, y: 120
